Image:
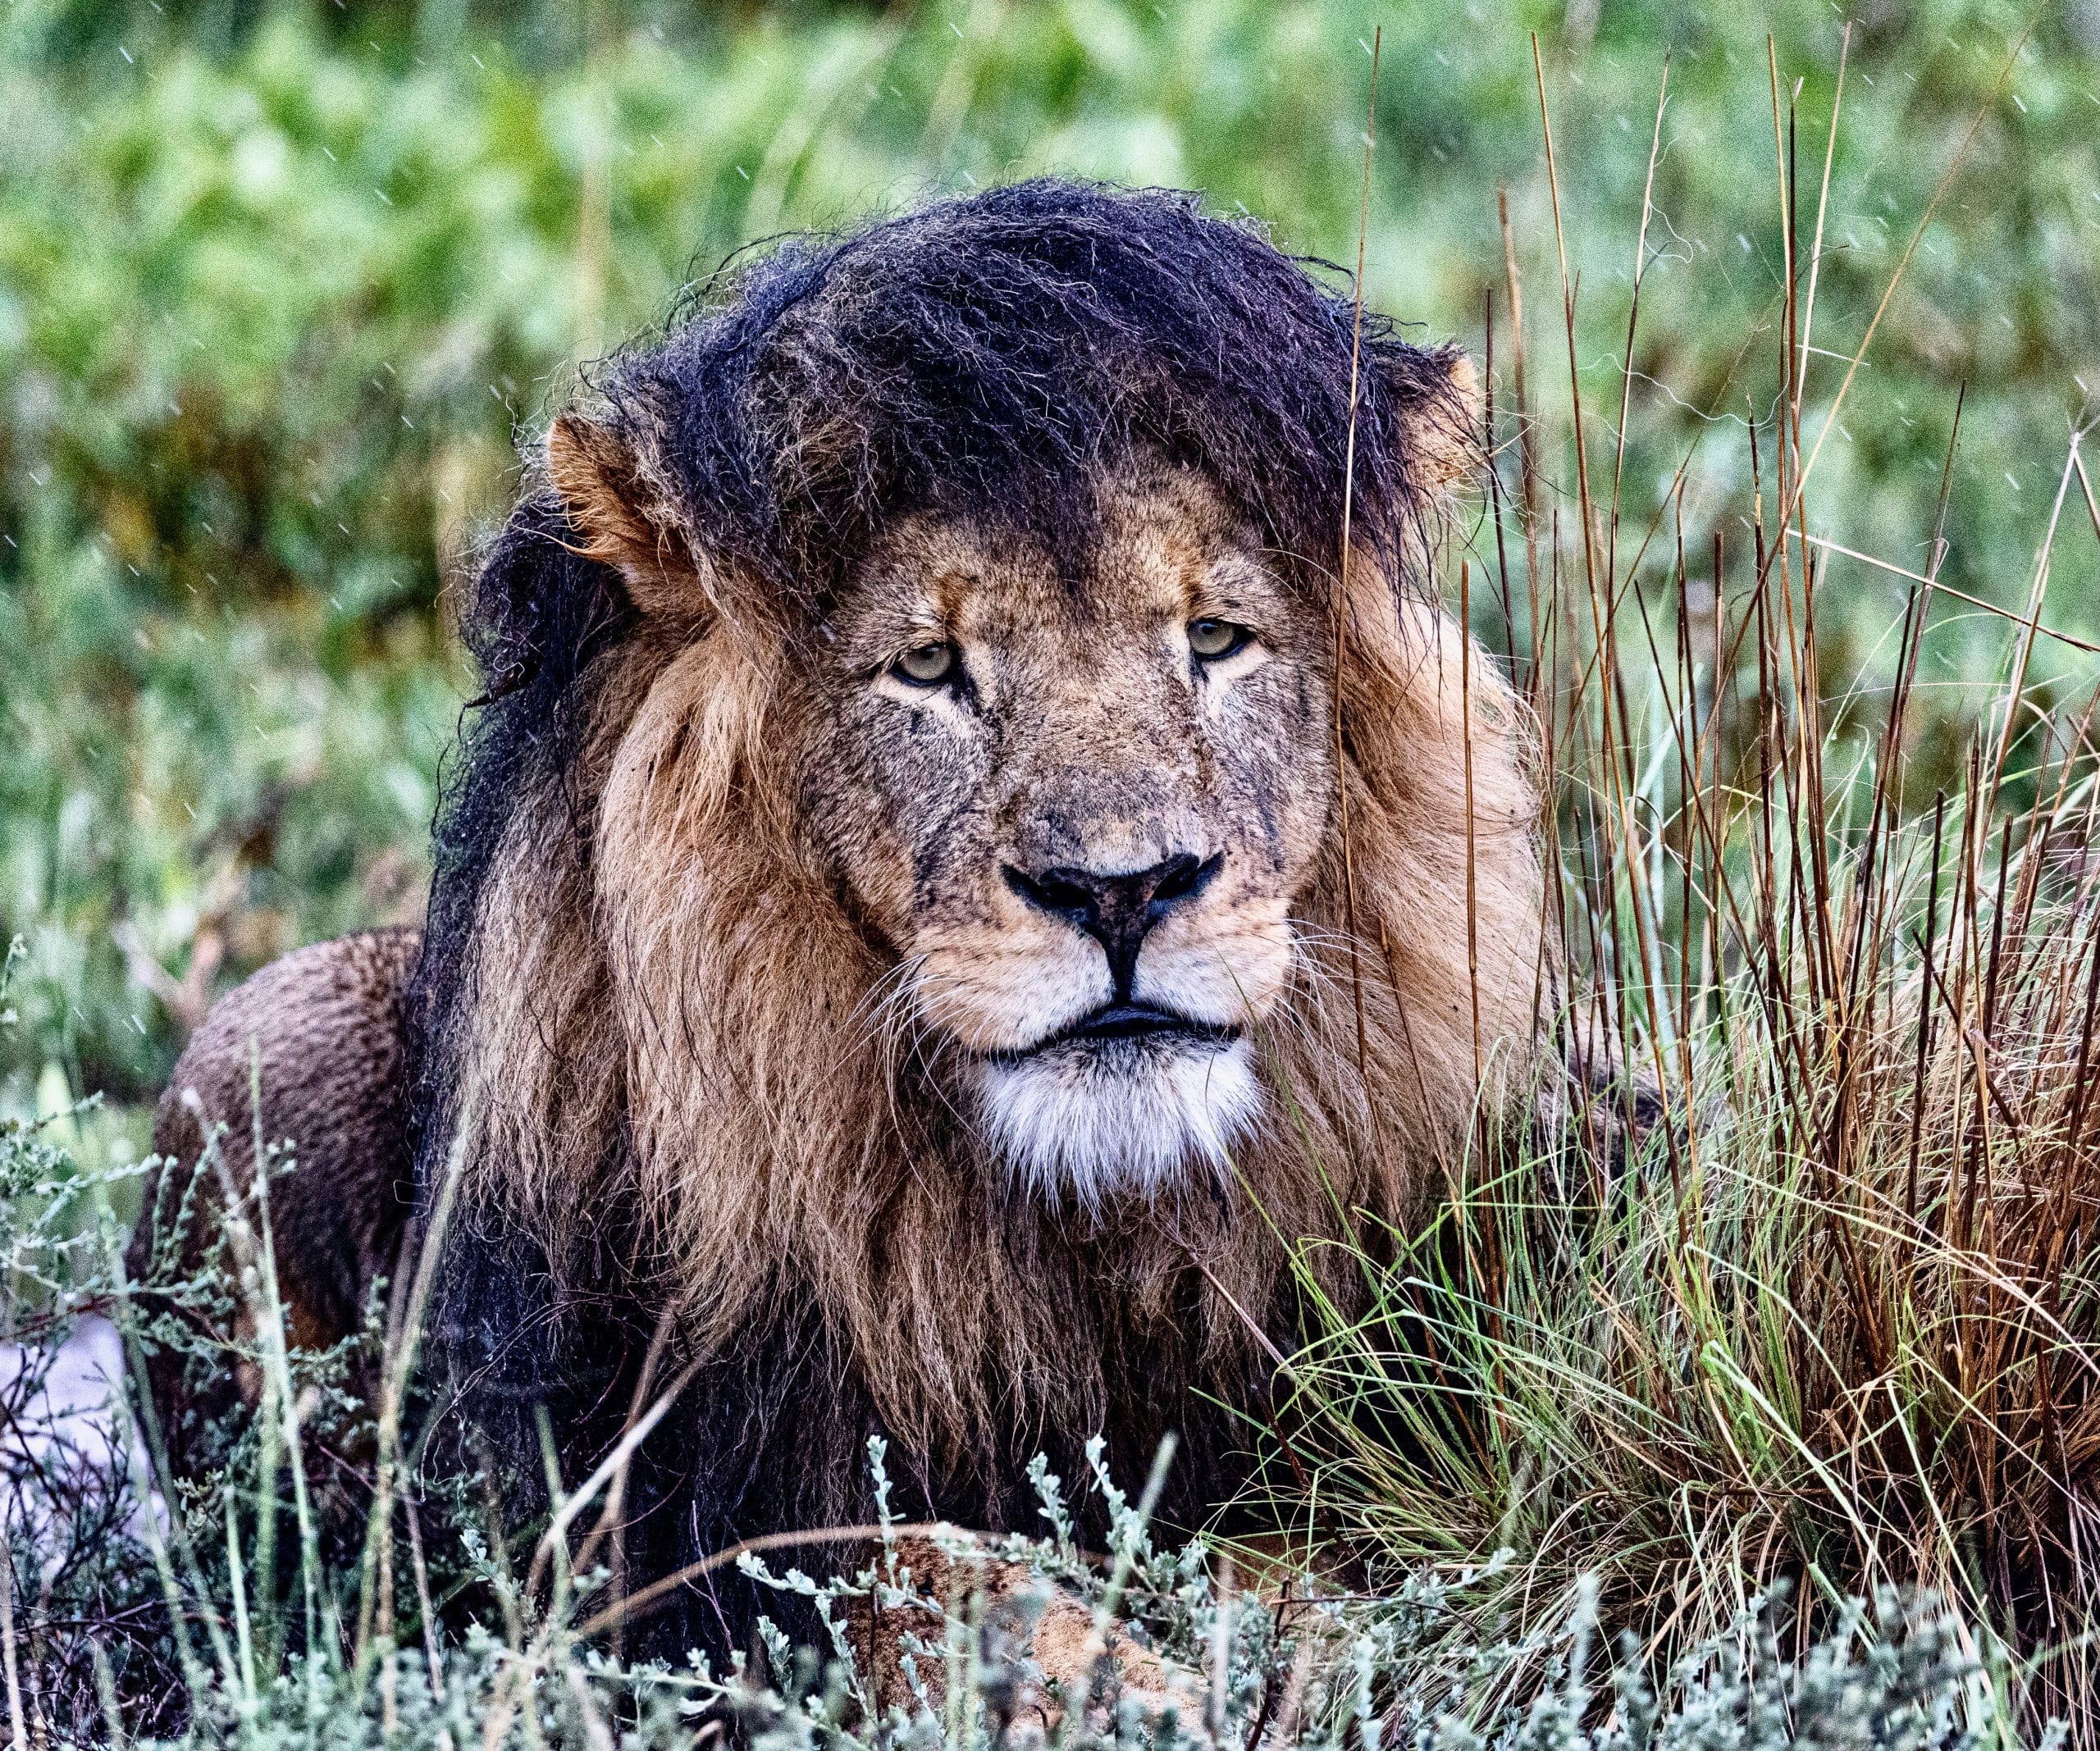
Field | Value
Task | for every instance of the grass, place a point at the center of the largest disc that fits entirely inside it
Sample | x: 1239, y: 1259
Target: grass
x: 180, y: 1626
x: 1800, y: 1308
x: 1835, y: 1319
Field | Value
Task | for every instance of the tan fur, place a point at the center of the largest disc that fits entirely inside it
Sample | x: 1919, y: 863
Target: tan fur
x: 610, y: 498
x: 703, y: 982
x: 1445, y: 447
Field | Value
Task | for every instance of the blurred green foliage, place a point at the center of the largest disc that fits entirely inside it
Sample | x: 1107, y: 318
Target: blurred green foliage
x: 281, y: 285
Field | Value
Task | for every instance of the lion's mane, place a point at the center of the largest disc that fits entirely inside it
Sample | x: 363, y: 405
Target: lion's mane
x: 642, y: 1009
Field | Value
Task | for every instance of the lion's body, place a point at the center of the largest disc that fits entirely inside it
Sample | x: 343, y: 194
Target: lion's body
x: 322, y: 1033
x: 772, y: 997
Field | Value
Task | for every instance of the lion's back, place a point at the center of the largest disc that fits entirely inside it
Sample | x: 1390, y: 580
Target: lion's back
x: 321, y: 1033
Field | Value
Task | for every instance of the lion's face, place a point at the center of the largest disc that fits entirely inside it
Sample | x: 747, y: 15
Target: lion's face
x: 1079, y: 812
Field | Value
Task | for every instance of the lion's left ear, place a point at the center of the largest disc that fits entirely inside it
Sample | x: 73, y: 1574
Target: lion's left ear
x: 1440, y: 419
x: 620, y: 520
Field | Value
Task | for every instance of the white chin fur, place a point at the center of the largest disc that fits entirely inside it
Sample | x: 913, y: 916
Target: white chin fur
x: 1125, y: 1116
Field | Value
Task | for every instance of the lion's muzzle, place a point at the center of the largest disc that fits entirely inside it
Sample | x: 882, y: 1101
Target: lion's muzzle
x: 1117, y: 911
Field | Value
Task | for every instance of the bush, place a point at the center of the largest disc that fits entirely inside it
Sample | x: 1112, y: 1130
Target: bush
x: 171, y: 1623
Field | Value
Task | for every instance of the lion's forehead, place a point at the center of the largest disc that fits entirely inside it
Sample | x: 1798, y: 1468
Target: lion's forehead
x: 1165, y: 546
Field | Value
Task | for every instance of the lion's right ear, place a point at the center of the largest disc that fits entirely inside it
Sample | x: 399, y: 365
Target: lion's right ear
x: 1440, y: 416
x: 617, y: 520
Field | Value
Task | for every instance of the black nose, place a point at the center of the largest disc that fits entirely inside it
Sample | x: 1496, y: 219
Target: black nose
x: 1116, y: 910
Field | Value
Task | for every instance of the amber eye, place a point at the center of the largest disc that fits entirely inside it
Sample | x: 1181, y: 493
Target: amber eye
x: 1213, y: 640
x: 927, y: 665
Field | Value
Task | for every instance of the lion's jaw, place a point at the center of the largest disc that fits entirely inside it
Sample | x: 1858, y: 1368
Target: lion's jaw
x: 1086, y: 843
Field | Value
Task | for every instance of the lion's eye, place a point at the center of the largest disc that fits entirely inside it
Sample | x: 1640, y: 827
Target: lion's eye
x: 1213, y: 640
x: 927, y: 665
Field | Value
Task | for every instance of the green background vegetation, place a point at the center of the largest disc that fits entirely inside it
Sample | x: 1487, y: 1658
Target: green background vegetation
x: 281, y: 286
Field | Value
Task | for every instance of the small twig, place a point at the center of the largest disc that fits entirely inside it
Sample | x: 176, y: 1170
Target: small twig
x: 1945, y: 588
x: 21, y: 1739
x: 645, y: 1600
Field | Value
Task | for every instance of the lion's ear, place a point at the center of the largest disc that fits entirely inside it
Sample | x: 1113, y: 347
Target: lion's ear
x: 1441, y: 416
x: 609, y: 506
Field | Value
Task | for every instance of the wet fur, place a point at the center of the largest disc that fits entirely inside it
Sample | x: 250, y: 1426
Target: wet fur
x: 649, y: 999
x: 322, y: 1033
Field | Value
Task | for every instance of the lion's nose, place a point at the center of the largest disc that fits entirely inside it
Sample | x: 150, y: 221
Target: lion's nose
x: 1116, y: 910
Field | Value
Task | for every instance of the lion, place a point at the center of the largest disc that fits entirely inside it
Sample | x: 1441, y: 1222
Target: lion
x: 981, y: 880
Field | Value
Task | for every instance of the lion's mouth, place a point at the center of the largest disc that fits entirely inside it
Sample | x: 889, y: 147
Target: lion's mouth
x: 1126, y: 1021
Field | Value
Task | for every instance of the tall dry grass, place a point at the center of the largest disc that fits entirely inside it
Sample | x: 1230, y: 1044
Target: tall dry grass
x: 1819, y: 1302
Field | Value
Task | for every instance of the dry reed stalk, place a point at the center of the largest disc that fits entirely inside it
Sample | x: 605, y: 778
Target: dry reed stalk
x: 1341, y: 589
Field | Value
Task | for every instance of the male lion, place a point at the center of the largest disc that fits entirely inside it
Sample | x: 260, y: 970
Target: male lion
x: 891, y: 934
